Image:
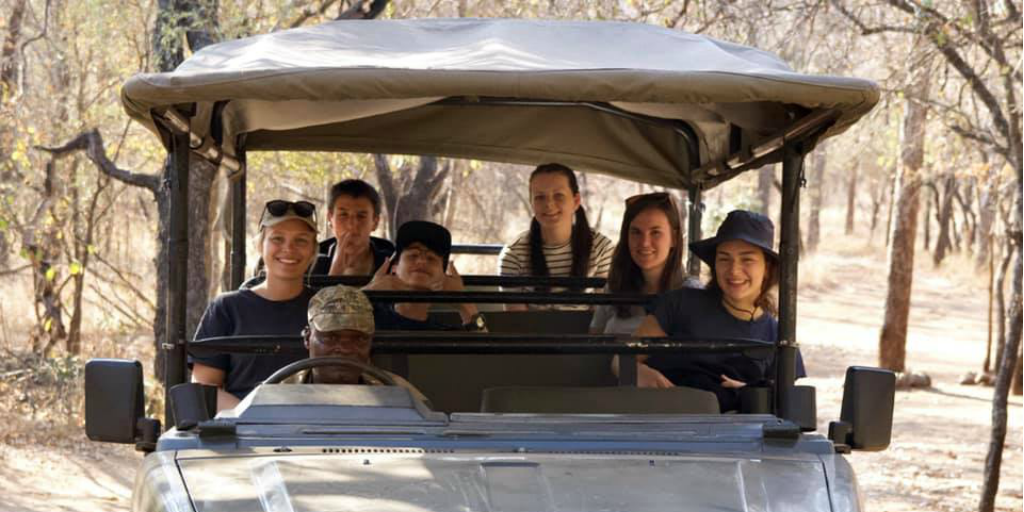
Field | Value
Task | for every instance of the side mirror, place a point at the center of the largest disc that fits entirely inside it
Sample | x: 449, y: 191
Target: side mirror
x: 866, y: 418
x: 114, y: 405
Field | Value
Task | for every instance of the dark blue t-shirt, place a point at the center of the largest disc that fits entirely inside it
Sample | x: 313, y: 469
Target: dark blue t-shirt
x: 243, y: 312
x: 385, y: 318
x: 699, y: 314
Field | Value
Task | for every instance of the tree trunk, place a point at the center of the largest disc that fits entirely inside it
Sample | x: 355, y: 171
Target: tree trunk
x: 987, y: 198
x: 1018, y: 389
x: 814, y: 220
x: 851, y: 199
x: 892, y: 205
x: 178, y: 21
x: 9, y: 53
x: 877, y: 199
x: 927, y: 227
x: 892, y: 342
x: 408, y: 194
x: 1007, y: 366
x: 765, y: 179
x: 1000, y: 286
x: 944, y: 216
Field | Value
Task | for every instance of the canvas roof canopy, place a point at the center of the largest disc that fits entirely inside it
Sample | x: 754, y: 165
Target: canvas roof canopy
x: 636, y: 101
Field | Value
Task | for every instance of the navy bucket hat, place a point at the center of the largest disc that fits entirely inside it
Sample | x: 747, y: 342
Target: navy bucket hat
x: 753, y: 228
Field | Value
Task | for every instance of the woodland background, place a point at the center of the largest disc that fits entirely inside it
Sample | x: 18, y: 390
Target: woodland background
x: 932, y: 174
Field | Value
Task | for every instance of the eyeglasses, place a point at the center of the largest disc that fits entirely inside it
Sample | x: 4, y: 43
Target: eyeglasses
x: 280, y: 207
x: 653, y: 198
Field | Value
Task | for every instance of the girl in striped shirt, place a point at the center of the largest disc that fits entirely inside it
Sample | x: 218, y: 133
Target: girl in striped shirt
x: 560, y: 241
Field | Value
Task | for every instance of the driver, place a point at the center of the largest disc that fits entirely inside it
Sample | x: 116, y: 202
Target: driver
x: 341, y: 325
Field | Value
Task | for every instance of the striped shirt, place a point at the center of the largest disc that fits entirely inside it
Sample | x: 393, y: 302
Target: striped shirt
x: 514, y: 260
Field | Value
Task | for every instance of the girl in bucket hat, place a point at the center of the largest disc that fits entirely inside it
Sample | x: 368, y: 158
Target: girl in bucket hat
x: 735, y: 304
x: 287, y: 245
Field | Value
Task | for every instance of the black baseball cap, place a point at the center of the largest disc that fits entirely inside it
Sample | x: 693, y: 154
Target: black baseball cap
x: 753, y: 228
x: 434, y: 236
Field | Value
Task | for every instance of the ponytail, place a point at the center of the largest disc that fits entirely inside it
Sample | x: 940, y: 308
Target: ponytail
x: 582, y: 244
x: 538, y: 263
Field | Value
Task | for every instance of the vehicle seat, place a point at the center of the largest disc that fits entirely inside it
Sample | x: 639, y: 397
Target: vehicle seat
x: 598, y: 400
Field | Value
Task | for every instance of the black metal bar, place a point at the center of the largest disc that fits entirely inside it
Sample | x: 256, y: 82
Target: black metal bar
x: 693, y: 230
x: 320, y: 281
x: 509, y: 297
x: 457, y: 342
x: 175, y: 346
x: 493, y: 249
x: 238, y: 198
x: 789, y: 255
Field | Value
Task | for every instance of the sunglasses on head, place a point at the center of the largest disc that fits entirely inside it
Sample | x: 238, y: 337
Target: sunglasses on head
x: 654, y: 197
x: 279, y: 207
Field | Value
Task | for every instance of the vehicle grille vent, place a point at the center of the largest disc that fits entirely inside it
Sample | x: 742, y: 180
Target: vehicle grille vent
x: 364, y: 451
x: 605, y: 452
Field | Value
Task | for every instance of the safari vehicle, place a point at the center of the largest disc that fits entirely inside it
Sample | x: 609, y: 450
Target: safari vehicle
x: 529, y: 419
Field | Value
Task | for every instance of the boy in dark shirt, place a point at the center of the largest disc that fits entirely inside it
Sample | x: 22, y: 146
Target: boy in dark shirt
x: 353, y: 212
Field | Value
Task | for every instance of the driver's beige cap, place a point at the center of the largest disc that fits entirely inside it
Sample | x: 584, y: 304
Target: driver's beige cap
x: 339, y: 308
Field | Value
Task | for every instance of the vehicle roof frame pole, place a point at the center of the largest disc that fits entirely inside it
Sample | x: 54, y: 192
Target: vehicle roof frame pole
x: 693, y: 234
x: 238, y: 213
x: 176, y: 345
x: 789, y: 256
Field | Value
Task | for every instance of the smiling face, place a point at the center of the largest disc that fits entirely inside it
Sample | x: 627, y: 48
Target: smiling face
x: 740, y: 269
x: 287, y: 249
x: 344, y: 343
x: 353, y: 216
x: 554, y: 203
x: 650, y: 239
x: 420, y: 267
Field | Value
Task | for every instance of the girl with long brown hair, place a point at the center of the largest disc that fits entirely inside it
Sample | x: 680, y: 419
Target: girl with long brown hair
x: 647, y: 259
x: 560, y: 241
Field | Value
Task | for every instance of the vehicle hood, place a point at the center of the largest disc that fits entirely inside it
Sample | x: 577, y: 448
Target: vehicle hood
x: 407, y: 480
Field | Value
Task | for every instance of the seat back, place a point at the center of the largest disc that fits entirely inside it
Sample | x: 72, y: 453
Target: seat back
x: 598, y: 400
x: 455, y: 383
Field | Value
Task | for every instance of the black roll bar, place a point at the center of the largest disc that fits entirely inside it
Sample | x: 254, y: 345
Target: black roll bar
x: 320, y: 281
x: 789, y: 255
x: 458, y: 342
x: 175, y: 343
x: 486, y: 249
x: 510, y: 297
x: 238, y: 217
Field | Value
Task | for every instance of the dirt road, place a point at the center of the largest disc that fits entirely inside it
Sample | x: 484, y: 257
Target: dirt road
x: 940, y: 434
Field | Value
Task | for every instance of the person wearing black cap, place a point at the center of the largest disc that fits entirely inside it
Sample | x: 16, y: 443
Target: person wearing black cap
x: 736, y: 303
x: 420, y: 263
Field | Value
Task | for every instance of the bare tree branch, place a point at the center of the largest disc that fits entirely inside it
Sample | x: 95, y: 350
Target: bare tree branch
x: 12, y: 271
x: 92, y: 143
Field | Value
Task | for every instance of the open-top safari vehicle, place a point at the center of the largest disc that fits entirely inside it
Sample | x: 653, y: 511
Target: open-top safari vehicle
x: 527, y: 417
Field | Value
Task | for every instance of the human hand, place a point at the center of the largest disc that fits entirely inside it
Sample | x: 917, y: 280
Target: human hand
x: 647, y: 377
x: 383, y: 279
x: 347, y: 257
x: 452, y: 281
x: 732, y: 383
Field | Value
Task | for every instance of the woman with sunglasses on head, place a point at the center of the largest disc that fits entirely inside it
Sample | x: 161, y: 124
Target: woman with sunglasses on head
x: 735, y: 304
x: 647, y: 260
x: 560, y: 242
x: 287, y: 244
